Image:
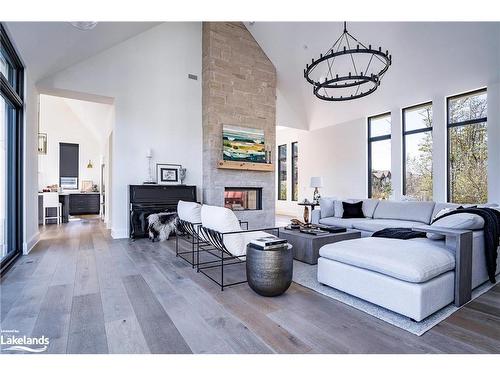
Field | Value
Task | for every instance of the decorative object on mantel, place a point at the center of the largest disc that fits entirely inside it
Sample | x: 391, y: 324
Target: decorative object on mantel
x: 168, y: 174
x: 42, y: 143
x: 331, y: 74
x: 182, y: 175
x: 268, y: 155
x: 262, y: 167
x: 243, y: 144
x: 316, y: 183
x: 149, y: 156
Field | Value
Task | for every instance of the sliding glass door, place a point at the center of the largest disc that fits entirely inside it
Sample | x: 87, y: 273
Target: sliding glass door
x: 4, y: 230
x: 11, y: 152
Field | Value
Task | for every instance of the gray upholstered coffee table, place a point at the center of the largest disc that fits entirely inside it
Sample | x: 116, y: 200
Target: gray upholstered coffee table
x: 306, y: 246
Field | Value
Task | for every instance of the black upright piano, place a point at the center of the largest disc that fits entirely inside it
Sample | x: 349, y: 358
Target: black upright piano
x: 149, y: 199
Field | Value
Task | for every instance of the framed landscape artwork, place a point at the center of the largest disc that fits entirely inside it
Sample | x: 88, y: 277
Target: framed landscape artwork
x: 168, y: 174
x: 243, y: 144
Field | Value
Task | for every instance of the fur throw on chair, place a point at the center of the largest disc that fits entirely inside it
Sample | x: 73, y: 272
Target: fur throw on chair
x: 161, y: 225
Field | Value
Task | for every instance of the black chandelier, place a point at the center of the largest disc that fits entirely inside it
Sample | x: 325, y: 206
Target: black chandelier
x: 348, y: 70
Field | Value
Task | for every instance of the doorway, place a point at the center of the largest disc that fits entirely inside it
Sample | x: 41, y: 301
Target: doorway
x: 72, y: 160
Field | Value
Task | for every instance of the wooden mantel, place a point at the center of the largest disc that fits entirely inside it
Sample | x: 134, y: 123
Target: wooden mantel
x: 245, y: 166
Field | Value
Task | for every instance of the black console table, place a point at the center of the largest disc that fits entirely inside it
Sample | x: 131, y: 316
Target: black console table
x: 145, y: 200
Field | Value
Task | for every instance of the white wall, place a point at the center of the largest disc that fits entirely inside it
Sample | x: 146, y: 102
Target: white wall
x: 429, y: 64
x: 287, y: 136
x: 62, y: 125
x: 31, y: 233
x: 156, y: 105
x: 339, y: 153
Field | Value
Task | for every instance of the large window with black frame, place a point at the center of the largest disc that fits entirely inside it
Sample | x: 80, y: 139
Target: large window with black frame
x: 468, y: 147
x: 379, y: 156
x: 11, y: 152
x: 282, y: 172
x: 295, y: 171
x: 417, y: 152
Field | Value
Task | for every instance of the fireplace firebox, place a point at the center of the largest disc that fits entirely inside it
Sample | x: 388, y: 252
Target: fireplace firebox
x: 243, y: 198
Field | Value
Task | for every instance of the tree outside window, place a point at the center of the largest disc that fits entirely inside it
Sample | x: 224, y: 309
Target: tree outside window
x: 417, y: 146
x: 468, y: 148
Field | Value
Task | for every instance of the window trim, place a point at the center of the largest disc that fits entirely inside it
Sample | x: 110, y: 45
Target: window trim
x: 370, y: 141
x: 294, y: 161
x: 410, y: 132
x: 280, y: 160
x: 14, y: 95
x: 457, y: 124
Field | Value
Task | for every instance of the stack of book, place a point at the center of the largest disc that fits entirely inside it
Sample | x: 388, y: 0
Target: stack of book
x: 268, y: 243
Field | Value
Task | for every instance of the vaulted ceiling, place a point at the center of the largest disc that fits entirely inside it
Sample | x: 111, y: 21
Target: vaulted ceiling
x: 428, y: 57
x: 49, y: 47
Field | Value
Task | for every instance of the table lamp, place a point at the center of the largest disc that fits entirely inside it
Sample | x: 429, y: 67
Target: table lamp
x: 316, y: 183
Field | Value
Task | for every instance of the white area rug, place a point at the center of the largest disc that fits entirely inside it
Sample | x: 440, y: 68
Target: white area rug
x: 305, y: 274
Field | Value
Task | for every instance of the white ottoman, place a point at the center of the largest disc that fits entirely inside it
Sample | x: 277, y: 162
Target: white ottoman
x: 414, y: 278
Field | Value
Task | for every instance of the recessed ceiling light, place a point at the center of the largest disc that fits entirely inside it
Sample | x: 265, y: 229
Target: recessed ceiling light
x: 84, y: 26
x: 305, y: 46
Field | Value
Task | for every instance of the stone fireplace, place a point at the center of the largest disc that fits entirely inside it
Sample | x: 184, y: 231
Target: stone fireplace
x: 243, y: 198
x: 239, y: 88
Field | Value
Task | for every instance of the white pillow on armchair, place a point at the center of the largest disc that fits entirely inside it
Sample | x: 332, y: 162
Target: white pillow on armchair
x: 189, y: 211
x: 223, y: 220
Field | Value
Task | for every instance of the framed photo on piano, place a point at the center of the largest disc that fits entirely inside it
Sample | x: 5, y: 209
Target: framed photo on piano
x: 168, y: 174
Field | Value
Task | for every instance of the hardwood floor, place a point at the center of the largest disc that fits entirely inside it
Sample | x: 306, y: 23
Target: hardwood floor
x: 91, y: 294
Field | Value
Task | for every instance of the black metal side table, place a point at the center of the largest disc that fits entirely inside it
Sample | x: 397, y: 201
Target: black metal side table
x: 269, y: 272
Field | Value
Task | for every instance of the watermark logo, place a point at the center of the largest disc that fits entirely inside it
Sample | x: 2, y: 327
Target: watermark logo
x: 11, y: 341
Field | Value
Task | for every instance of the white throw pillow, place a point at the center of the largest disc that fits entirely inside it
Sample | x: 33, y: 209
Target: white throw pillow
x: 369, y: 206
x: 189, y: 211
x: 464, y: 221
x: 443, y: 212
x: 223, y: 220
x: 327, y: 206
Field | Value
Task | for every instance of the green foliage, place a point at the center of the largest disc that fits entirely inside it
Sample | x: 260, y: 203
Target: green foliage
x: 468, y: 155
x: 419, y: 167
x: 282, y: 190
x: 381, y: 187
x: 469, y: 152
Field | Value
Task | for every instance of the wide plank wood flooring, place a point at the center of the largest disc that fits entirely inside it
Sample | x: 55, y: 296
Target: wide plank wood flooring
x: 91, y: 294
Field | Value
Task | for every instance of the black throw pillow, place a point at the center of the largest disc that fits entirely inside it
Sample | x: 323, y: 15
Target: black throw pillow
x: 353, y: 210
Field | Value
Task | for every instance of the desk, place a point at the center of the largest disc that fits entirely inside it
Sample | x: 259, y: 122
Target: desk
x: 72, y: 204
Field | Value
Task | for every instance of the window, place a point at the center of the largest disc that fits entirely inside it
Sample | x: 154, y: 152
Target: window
x: 295, y: 172
x: 379, y: 156
x: 282, y: 173
x: 468, y: 148
x: 417, y: 151
x: 11, y: 152
x: 68, y: 165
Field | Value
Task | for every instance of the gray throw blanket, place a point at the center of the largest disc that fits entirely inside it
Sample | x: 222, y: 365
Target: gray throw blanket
x: 491, y: 219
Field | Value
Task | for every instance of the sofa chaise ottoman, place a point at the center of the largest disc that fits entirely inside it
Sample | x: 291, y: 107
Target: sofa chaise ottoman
x: 414, y: 280
x: 411, y: 277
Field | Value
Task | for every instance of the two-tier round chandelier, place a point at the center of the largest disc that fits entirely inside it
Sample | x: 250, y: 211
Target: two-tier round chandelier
x: 348, y: 70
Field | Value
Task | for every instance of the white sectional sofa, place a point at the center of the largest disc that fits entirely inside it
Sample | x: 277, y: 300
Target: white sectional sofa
x: 412, y: 277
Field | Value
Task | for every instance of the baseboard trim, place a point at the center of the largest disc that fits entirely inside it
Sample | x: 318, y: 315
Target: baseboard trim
x: 117, y: 234
x: 29, y: 245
